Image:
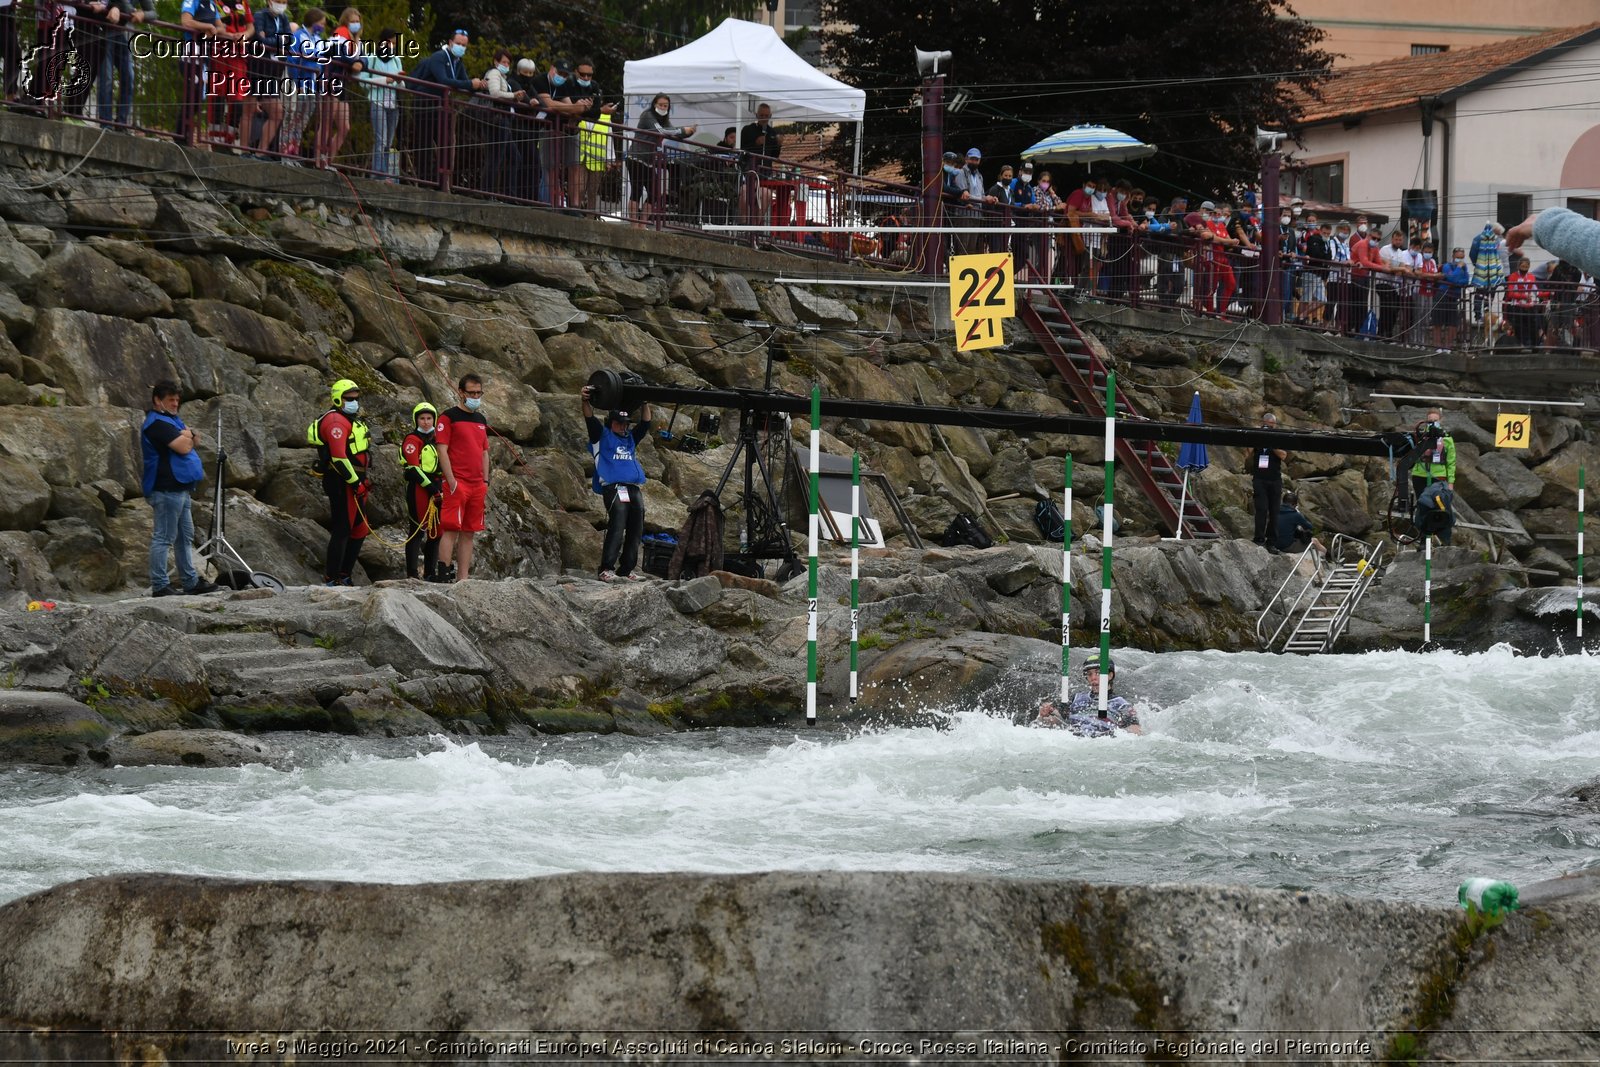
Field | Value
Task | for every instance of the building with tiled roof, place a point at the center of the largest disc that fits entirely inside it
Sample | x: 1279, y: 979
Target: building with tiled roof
x: 1491, y: 132
x: 1369, y: 31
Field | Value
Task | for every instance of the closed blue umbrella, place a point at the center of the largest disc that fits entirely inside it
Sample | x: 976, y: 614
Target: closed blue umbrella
x: 1088, y: 144
x: 1191, y: 457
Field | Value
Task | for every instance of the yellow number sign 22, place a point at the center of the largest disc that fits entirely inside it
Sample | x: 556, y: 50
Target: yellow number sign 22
x: 982, y: 286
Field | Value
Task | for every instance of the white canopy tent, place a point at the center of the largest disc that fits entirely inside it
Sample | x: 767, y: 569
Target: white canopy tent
x: 718, y: 80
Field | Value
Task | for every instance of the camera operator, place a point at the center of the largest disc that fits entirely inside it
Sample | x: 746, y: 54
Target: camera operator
x: 1438, y: 463
x: 619, y: 479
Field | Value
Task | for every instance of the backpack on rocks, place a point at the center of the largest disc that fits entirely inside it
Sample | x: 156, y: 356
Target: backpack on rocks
x: 1048, y: 518
x: 964, y: 530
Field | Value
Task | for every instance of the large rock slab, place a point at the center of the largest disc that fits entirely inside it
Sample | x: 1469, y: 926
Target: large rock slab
x: 550, y: 310
x: 76, y: 276
x: 252, y: 333
x: 162, y: 954
x: 382, y: 314
x: 302, y: 296
x: 77, y: 445
x: 48, y: 728
x: 405, y: 633
x: 820, y: 310
x: 112, y: 205
x: 100, y: 359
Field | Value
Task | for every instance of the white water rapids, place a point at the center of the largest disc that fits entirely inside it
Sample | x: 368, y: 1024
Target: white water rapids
x: 1387, y: 774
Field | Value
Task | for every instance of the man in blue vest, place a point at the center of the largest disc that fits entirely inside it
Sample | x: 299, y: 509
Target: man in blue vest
x: 171, y: 471
x: 619, y: 479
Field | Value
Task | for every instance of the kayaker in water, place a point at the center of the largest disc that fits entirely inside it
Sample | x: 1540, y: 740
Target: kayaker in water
x: 1082, y: 715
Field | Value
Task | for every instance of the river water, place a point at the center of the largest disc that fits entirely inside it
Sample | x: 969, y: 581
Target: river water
x: 1386, y: 774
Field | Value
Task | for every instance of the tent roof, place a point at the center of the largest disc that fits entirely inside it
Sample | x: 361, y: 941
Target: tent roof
x: 741, y: 58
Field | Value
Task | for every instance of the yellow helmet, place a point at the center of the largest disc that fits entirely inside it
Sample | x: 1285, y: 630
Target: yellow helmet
x: 421, y: 409
x: 340, y: 387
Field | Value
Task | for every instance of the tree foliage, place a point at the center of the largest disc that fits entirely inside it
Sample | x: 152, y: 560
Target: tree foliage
x: 608, y: 31
x: 1193, y: 79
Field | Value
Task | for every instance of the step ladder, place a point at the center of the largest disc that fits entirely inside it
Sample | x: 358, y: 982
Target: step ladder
x: 1078, y: 362
x: 1331, y: 589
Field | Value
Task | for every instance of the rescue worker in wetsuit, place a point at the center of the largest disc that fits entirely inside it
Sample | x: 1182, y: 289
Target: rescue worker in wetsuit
x: 1082, y: 715
x: 343, y: 454
x: 419, y: 461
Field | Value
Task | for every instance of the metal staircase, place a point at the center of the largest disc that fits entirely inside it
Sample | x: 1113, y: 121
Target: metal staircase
x: 1081, y: 367
x: 1321, y: 610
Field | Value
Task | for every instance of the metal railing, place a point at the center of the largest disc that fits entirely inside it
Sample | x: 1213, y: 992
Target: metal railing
x: 267, y: 99
x: 1345, y: 553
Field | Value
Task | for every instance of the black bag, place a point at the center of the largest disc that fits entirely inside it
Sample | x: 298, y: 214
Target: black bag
x: 1048, y: 518
x: 964, y: 530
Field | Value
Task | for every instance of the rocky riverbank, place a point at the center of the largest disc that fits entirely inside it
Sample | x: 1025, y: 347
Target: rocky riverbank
x: 266, y: 283
x: 177, y: 969
x: 208, y: 680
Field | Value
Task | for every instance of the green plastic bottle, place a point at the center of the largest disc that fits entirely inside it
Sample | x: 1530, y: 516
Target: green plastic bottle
x: 1489, y: 895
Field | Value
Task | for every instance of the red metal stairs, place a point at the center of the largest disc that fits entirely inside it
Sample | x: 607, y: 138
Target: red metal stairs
x: 1081, y: 367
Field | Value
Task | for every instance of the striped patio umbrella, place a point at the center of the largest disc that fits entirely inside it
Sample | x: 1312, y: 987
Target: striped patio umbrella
x: 1088, y: 144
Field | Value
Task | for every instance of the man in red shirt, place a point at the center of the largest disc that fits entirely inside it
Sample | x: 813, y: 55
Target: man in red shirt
x: 463, y: 443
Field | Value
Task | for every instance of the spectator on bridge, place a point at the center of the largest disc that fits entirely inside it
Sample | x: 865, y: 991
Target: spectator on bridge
x: 1340, y: 291
x: 1485, y: 255
x: 229, y: 86
x: 343, y: 64
x: 654, y: 126
x: 759, y: 143
x: 263, y: 102
x: 116, y: 62
x: 379, y: 77
x: 1450, y: 305
x: 1365, y: 263
x: 202, y: 26
x: 1314, y: 275
x: 1524, y: 305
x: 442, y: 71
x: 586, y: 94
x: 305, y: 72
x: 1425, y: 298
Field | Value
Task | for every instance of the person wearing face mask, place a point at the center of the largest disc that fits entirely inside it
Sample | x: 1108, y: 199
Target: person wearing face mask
x: 654, y: 127
x: 619, y: 479
x: 583, y: 181
x: 1454, y: 280
x: 1365, y: 260
x: 228, y: 88
x: 1046, y: 253
x: 441, y: 71
x: 563, y: 103
x: 1339, y: 289
x: 300, y: 95
x: 344, y: 63
x: 1087, y: 206
x: 1438, y: 463
x: 462, y: 438
x: 379, y: 80
x: 1170, y: 252
x: 503, y: 131
x: 343, y: 455
x: 419, y: 463
x: 1423, y: 297
x: 202, y: 25
x: 274, y: 34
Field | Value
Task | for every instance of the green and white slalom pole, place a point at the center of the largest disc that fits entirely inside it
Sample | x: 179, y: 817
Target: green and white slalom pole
x: 1427, y: 589
x: 1066, y: 583
x: 811, y: 585
x: 855, y: 569
x: 1105, y: 543
x: 1580, y: 553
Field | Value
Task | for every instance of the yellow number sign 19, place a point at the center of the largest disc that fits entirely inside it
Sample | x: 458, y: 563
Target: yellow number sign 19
x: 1513, y: 431
x: 982, y: 287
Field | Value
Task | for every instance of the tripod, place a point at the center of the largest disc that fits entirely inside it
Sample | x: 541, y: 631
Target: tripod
x: 232, y: 570
x: 766, y: 534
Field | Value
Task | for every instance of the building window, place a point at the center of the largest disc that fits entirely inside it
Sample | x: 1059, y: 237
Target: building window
x: 1512, y: 208
x: 1323, y: 182
x: 1586, y: 206
x: 1429, y: 49
x: 802, y: 13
